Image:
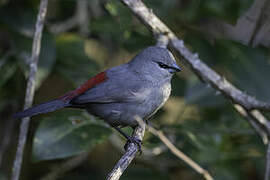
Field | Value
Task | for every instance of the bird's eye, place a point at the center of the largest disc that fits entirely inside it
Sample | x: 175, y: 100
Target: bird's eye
x: 162, y: 65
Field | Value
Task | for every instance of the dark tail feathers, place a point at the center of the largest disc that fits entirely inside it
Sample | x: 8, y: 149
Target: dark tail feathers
x: 42, y: 108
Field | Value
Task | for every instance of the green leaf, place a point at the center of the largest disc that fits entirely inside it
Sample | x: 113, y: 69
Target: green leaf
x: 73, y: 62
x: 65, y: 136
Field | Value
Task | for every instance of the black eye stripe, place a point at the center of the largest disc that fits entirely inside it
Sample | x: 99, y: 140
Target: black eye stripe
x: 162, y: 65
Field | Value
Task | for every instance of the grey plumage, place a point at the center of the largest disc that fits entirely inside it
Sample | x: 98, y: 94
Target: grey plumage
x: 139, y: 87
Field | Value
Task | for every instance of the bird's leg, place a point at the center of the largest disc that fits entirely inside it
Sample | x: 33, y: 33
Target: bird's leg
x: 130, y: 139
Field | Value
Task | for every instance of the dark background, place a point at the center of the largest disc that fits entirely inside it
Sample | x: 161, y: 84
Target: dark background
x: 199, y: 121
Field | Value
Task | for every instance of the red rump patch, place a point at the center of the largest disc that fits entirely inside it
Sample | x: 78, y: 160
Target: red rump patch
x: 99, y: 78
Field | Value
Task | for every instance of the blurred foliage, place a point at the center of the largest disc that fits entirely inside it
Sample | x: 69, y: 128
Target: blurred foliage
x: 200, y: 121
x: 59, y: 137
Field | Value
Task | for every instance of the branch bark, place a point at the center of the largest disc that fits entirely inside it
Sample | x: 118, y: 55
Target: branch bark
x: 30, y: 89
x: 129, y: 155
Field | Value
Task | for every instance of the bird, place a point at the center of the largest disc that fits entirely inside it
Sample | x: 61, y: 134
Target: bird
x: 139, y: 88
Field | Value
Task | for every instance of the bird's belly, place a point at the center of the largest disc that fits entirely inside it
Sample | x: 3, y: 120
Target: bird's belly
x: 164, y: 93
x: 122, y: 114
x: 117, y: 114
x: 148, y: 107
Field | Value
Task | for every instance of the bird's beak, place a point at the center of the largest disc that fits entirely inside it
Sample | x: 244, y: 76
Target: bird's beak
x: 176, y: 67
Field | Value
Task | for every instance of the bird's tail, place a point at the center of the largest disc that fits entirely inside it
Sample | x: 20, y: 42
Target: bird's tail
x: 42, y: 108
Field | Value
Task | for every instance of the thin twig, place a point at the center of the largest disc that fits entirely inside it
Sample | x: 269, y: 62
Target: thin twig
x: 65, y: 166
x: 180, y: 154
x: 256, y: 114
x: 83, y: 16
x: 64, y: 26
x: 30, y: 88
x: 129, y: 155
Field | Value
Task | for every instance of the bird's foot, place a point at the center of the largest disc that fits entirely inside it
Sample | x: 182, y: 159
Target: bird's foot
x: 136, y: 141
x: 130, y: 139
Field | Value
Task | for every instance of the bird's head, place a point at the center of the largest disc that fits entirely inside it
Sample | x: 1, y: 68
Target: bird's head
x: 155, y: 61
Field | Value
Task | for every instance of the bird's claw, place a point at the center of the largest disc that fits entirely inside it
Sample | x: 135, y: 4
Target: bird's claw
x: 136, y: 141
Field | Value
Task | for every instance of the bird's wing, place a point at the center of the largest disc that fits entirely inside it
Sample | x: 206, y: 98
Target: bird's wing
x: 117, y: 84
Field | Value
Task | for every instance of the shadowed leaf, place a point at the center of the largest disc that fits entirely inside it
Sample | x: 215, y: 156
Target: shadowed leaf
x: 63, y: 136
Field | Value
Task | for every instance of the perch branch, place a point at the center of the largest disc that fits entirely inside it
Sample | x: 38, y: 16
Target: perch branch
x: 129, y: 155
x: 30, y: 89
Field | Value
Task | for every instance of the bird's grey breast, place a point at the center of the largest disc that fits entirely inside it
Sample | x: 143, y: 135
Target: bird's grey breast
x: 157, y: 98
x: 146, y: 102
